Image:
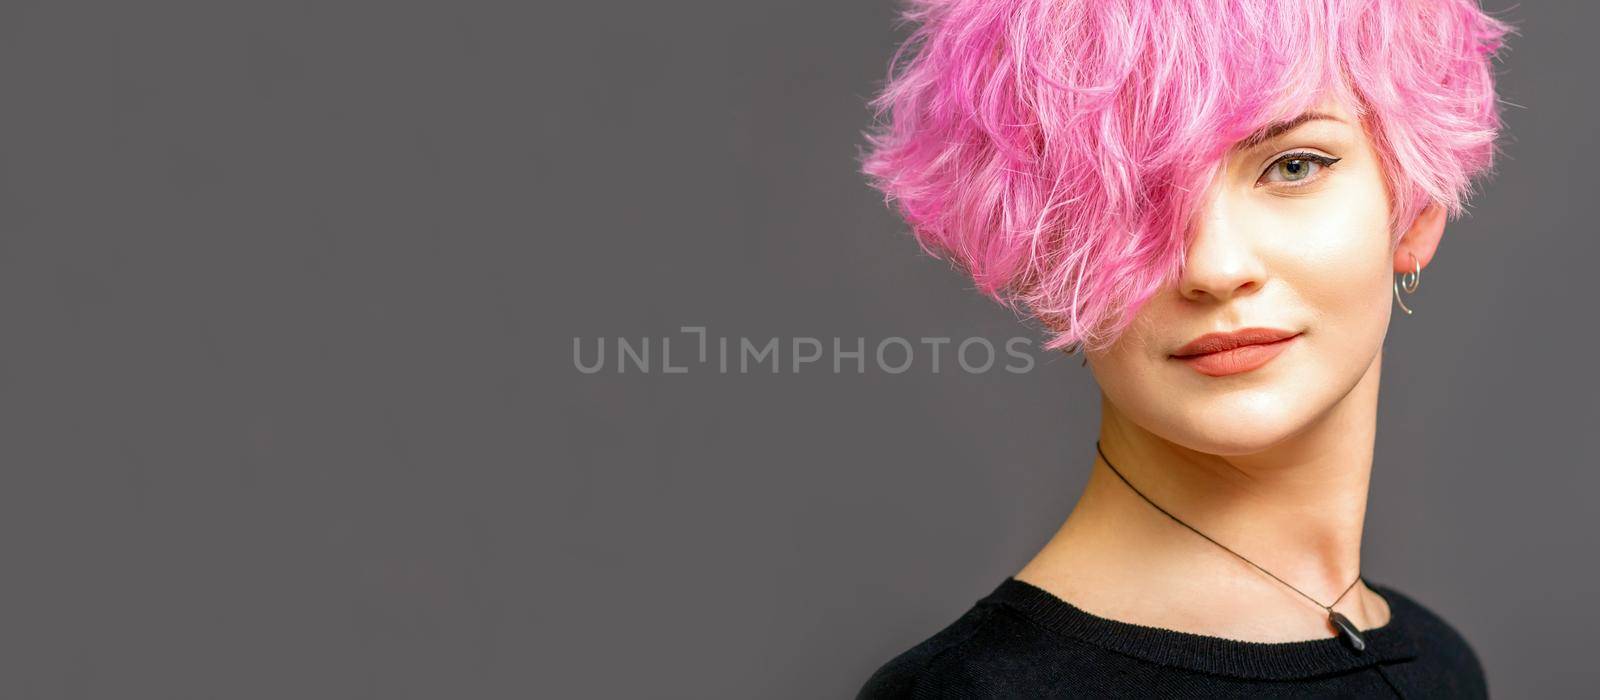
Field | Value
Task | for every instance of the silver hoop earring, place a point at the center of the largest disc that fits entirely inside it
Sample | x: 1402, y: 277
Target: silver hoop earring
x: 1409, y: 282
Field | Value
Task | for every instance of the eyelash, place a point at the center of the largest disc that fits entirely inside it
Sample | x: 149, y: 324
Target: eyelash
x: 1321, y: 160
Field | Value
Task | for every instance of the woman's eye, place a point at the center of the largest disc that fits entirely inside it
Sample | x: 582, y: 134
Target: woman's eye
x: 1296, y: 169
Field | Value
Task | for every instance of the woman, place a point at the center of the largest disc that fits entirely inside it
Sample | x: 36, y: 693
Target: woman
x: 1210, y: 199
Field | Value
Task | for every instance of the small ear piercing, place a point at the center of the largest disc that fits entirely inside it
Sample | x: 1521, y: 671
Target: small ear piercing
x: 1409, y: 281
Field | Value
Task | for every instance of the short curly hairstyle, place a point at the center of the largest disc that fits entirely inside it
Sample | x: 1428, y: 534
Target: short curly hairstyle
x: 1056, y: 150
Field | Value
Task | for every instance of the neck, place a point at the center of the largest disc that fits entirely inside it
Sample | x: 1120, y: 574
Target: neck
x: 1295, y: 509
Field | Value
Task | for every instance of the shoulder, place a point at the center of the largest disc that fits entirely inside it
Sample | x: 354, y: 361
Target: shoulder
x: 1447, y: 651
x: 989, y: 651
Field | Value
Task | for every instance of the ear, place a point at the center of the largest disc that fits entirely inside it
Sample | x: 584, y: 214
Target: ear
x: 1421, y: 240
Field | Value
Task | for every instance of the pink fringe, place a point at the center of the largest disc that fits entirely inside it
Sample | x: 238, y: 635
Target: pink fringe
x: 1056, y: 149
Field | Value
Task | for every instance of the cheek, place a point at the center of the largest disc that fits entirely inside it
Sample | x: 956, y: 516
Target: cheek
x: 1339, y: 262
x: 1134, y: 372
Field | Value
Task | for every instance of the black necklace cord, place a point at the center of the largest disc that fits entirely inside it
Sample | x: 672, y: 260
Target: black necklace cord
x: 1346, y: 629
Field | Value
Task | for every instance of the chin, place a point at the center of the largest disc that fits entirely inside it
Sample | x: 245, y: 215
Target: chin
x: 1240, y: 424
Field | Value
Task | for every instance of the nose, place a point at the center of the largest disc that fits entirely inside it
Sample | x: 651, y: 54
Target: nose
x: 1222, y: 261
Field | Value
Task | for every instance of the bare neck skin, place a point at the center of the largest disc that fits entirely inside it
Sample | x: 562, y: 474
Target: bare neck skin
x: 1295, y: 510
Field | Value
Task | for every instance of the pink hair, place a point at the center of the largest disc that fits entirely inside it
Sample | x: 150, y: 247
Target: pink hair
x: 1055, y: 150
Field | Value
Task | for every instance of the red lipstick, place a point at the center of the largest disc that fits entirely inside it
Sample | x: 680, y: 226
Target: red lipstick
x: 1222, y: 354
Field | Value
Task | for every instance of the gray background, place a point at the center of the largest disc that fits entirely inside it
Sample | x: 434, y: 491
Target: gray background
x: 290, y: 407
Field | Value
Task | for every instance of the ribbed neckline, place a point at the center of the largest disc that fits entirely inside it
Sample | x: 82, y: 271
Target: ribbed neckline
x: 1392, y: 641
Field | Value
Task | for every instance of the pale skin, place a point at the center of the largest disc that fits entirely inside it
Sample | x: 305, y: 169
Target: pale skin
x: 1275, y: 462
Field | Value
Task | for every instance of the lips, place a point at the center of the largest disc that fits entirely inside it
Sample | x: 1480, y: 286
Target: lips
x: 1221, y: 354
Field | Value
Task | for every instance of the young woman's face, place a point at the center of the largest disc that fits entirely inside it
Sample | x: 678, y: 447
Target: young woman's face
x: 1286, y: 241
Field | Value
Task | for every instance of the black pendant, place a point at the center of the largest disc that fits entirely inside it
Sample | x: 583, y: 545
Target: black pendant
x: 1347, y: 631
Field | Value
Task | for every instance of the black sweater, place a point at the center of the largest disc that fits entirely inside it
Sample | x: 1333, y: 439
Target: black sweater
x: 1022, y: 641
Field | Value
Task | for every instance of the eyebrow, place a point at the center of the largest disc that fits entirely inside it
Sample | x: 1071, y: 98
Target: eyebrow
x: 1277, y: 129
